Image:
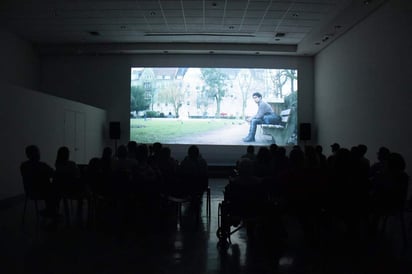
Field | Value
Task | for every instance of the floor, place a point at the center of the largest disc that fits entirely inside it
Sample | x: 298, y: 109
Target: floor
x: 137, y: 243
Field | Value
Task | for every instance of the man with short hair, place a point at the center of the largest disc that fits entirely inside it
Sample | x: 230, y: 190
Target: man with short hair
x: 37, y: 180
x: 331, y: 159
x: 264, y: 115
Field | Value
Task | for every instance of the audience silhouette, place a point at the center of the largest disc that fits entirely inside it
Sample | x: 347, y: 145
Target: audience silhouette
x: 37, y: 184
x: 193, y: 171
x: 68, y: 182
x: 303, y: 183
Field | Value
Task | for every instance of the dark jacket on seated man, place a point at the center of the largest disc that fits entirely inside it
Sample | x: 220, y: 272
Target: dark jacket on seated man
x: 67, y: 174
x: 264, y: 115
x: 36, y: 175
x: 245, y: 191
x: 193, y: 171
x: 36, y: 179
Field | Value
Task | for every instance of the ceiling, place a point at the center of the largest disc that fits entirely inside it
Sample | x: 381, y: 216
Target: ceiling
x: 285, y: 27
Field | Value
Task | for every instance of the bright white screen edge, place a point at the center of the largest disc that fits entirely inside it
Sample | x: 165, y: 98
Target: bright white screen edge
x: 210, y: 106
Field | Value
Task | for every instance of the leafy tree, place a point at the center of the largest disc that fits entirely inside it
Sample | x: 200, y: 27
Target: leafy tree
x: 280, y: 78
x: 137, y: 99
x: 291, y: 101
x: 244, y: 79
x: 215, y: 85
x: 279, y: 81
x: 290, y: 74
x: 173, y: 94
x: 149, y: 82
x: 202, y: 100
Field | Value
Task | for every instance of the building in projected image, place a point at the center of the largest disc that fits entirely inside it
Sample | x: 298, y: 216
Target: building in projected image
x: 208, y: 92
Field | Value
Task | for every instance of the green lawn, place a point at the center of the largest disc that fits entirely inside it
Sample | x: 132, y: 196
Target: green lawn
x: 168, y: 130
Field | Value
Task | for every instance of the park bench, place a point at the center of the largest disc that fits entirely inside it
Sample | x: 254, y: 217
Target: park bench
x: 277, y: 131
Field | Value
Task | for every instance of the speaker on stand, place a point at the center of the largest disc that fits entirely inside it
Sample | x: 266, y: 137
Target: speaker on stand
x: 305, y: 133
x: 114, y: 133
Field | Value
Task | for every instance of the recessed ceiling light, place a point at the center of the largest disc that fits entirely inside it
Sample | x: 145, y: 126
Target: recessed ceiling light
x: 325, y: 38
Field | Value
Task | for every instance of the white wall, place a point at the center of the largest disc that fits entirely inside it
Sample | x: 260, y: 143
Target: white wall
x: 104, y: 81
x: 29, y: 117
x: 363, y: 84
x: 19, y: 63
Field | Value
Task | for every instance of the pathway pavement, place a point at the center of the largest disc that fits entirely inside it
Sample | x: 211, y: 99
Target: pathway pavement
x: 232, y: 134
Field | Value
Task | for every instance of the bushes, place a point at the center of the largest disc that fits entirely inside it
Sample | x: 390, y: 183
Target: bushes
x: 152, y: 114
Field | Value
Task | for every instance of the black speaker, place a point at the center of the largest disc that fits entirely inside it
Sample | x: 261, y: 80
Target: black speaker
x: 114, y: 130
x: 305, y: 132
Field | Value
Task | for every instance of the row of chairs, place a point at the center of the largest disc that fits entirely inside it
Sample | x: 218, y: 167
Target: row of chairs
x: 249, y: 205
x: 89, y: 197
x: 67, y: 197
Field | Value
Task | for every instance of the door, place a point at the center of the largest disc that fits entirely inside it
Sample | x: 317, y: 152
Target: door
x: 75, y: 135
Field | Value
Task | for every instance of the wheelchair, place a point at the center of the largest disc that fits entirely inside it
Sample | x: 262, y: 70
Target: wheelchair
x: 244, y: 206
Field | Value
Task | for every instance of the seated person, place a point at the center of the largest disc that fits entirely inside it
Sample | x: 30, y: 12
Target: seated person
x: 264, y: 115
x: 250, y: 154
x: 123, y: 163
x: 193, y: 171
x: 246, y: 196
x: 244, y: 190
x: 67, y: 174
x: 390, y: 188
x: 36, y: 179
x: 146, y: 177
x: 167, y: 167
x: 68, y: 181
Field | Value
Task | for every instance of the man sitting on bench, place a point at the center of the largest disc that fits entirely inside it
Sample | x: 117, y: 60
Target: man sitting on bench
x: 264, y: 115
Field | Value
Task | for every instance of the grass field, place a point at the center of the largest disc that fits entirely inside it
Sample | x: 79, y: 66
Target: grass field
x: 168, y: 130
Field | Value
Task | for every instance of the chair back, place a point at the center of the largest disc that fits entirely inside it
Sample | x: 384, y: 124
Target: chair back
x: 67, y: 185
x: 33, y: 187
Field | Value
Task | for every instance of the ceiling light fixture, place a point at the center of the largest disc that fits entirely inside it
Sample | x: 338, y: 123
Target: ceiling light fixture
x: 178, y: 48
x: 198, y: 34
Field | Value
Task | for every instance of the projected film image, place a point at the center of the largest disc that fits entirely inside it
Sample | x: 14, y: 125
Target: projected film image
x: 217, y: 106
